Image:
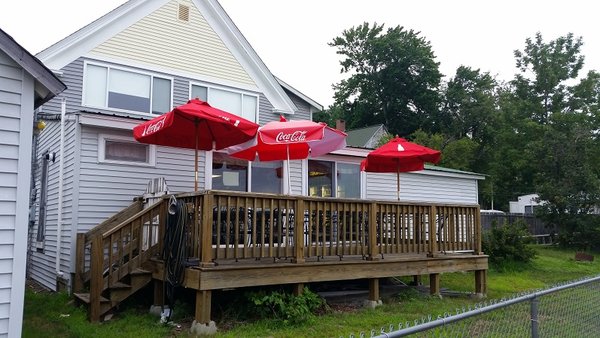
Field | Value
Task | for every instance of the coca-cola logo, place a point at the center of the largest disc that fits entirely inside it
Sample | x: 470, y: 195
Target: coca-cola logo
x: 297, y: 136
x: 153, y: 127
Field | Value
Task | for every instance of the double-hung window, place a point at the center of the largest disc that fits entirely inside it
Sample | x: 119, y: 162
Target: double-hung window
x: 119, y: 88
x: 239, y: 103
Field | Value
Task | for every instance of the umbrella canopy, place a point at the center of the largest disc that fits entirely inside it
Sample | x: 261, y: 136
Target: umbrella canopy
x: 399, y: 155
x: 196, y: 125
x: 290, y: 140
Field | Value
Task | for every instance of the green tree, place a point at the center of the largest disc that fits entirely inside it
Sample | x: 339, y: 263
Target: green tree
x: 393, y: 79
x: 545, y: 66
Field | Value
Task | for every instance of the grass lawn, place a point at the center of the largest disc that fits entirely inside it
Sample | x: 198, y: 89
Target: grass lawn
x: 54, y: 315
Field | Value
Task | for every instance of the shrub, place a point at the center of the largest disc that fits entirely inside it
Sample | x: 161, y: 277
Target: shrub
x: 507, y: 244
x: 285, y: 306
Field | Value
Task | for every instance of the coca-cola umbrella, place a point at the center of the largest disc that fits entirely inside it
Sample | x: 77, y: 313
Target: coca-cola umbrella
x: 399, y: 155
x: 290, y: 140
x: 196, y: 125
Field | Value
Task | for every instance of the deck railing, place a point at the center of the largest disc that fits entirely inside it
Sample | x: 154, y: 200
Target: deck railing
x: 231, y: 226
x: 227, y: 225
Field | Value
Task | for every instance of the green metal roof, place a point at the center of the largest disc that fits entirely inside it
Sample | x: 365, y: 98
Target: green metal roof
x: 360, y: 137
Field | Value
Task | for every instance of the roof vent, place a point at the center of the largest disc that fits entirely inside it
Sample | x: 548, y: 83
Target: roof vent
x: 184, y: 13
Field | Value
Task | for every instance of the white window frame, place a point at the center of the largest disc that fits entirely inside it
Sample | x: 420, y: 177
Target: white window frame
x: 102, y: 138
x: 126, y: 69
x: 208, y: 169
x: 228, y: 89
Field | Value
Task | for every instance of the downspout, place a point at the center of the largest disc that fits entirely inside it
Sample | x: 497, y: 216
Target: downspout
x: 63, y: 109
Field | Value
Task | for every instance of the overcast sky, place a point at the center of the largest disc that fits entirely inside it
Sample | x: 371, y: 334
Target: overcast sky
x: 291, y: 36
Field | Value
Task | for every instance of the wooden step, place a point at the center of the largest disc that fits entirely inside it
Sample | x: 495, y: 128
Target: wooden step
x: 85, y: 298
x: 120, y: 285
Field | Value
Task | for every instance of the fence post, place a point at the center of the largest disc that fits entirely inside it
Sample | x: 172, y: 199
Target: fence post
x: 534, y: 317
x: 299, y: 231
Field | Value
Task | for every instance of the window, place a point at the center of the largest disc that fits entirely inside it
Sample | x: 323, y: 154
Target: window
x: 229, y: 173
x: 120, y: 149
x: 109, y: 87
x: 348, y: 180
x: 321, y: 179
x: 267, y: 177
x: 240, y: 104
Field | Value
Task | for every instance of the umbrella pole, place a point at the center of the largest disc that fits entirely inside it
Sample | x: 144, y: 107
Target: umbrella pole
x: 398, y: 180
x: 289, y: 181
x: 196, y: 156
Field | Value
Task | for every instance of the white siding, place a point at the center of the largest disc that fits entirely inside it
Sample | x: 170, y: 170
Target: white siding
x: 16, y: 120
x: 161, y: 39
x: 423, y: 187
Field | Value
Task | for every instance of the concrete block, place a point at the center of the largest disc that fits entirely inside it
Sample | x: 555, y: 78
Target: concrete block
x: 201, y: 329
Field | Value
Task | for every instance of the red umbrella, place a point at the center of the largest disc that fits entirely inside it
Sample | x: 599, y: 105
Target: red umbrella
x: 196, y: 125
x: 399, y: 155
x: 290, y: 140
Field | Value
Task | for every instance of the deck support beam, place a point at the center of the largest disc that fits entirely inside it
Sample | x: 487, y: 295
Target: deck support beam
x: 481, y: 282
x: 434, y: 284
x: 203, y: 299
x: 417, y: 280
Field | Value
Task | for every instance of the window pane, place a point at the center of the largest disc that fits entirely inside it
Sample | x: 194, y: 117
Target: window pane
x: 249, y: 112
x: 348, y: 180
x: 126, y: 151
x: 320, y: 178
x: 95, y: 86
x: 229, y: 173
x: 225, y: 100
x: 199, y: 92
x: 161, y: 96
x: 127, y: 90
x: 267, y: 177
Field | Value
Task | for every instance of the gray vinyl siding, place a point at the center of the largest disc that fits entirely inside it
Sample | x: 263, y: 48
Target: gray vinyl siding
x: 422, y: 187
x: 106, y: 188
x: 16, y: 119
x: 10, y: 111
x: 42, y: 262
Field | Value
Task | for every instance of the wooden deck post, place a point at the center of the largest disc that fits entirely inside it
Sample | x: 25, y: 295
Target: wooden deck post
x: 298, y: 289
x: 374, y: 289
x: 159, y: 292
x: 299, y: 232
x: 481, y: 282
x: 96, y: 280
x: 432, y: 240
x: 477, y: 245
x: 373, y: 248
x: 203, y: 299
x: 434, y: 284
x: 206, y: 231
x: 79, y: 263
x: 417, y: 280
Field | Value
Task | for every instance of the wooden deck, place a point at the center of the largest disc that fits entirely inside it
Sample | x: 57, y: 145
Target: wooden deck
x: 235, y: 240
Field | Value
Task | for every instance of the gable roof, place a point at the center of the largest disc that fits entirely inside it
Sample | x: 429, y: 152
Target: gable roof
x: 360, y: 137
x: 81, y: 42
x: 47, y: 85
x: 315, y: 106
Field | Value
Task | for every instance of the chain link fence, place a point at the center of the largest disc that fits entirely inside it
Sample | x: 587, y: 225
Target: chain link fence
x: 567, y: 310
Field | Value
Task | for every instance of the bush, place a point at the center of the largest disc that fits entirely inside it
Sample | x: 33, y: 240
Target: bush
x: 285, y: 306
x: 507, y: 244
